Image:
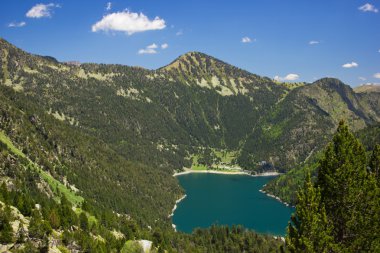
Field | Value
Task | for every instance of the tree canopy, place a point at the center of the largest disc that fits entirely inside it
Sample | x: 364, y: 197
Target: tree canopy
x: 340, y: 213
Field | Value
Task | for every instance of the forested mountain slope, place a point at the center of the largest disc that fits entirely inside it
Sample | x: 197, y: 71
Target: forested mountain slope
x: 302, y: 121
x: 96, y: 171
x: 162, y: 116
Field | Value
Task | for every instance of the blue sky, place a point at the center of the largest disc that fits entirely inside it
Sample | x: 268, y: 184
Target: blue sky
x: 294, y: 40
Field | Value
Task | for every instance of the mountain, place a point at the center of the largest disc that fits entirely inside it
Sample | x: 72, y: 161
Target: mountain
x: 302, y: 121
x: 109, y: 137
x: 195, y: 101
x: 367, y: 88
x: 196, y: 68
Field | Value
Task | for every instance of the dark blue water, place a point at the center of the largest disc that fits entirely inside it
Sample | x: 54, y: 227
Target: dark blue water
x: 227, y: 200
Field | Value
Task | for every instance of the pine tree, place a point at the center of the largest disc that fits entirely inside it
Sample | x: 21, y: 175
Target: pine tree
x: 54, y: 219
x: 348, y: 192
x: 38, y: 228
x: 21, y: 233
x: 374, y: 163
x: 83, y: 221
x: 6, y: 230
x: 4, y: 194
x: 309, y: 229
x: 67, y: 216
x: 341, y: 213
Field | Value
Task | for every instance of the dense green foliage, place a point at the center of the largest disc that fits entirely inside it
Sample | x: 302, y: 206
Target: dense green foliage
x: 374, y: 163
x: 235, y: 239
x: 341, y: 212
x: 81, y: 160
x: 310, y: 230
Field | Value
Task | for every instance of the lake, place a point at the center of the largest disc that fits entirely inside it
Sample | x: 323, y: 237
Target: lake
x: 227, y: 200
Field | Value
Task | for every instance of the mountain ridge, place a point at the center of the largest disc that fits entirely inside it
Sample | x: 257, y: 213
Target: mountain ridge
x: 368, y: 88
x: 182, y: 59
x: 243, y: 101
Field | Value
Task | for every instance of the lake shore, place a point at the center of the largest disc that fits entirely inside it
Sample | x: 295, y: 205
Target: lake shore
x: 173, y: 210
x: 175, y: 205
x: 226, y: 172
x: 275, y: 197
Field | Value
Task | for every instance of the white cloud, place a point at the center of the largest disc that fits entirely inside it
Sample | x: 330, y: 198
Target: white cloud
x: 368, y: 8
x: 147, y: 51
x: 288, y: 77
x: 128, y: 22
x: 378, y: 51
x: 17, y: 24
x: 376, y: 75
x: 246, y: 40
x: 151, y: 49
x: 179, y: 33
x: 109, y: 6
x: 362, y: 78
x: 350, y: 65
x: 41, y: 10
x: 314, y: 42
x: 153, y: 46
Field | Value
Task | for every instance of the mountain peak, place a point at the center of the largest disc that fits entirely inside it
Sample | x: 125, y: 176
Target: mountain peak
x: 193, y: 58
x: 331, y: 83
x: 196, y: 68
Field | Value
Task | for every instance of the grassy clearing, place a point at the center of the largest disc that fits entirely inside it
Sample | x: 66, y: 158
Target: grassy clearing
x: 199, y: 167
x: 55, y: 185
x: 226, y: 156
x: 58, y: 187
x: 4, y: 139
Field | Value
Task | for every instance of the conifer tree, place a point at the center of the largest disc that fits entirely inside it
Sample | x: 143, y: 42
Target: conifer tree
x: 83, y: 221
x: 38, y: 228
x: 374, y: 163
x: 341, y: 213
x: 54, y: 219
x: 4, y: 194
x: 309, y: 229
x: 21, y: 233
x: 6, y: 231
x: 348, y: 192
